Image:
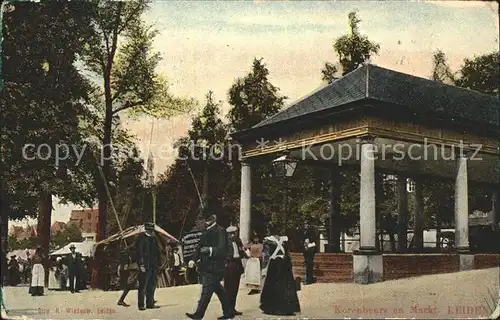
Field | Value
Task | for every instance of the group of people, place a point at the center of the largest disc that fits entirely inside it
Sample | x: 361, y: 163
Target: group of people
x: 19, y: 270
x: 219, y: 258
x: 69, y: 272
x: 33, y: 271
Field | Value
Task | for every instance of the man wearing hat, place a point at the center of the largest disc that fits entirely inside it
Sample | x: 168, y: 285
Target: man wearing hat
x: 74, y: 261
x: 147, y: 261
x: 234, y: 267
x: 211, y: 257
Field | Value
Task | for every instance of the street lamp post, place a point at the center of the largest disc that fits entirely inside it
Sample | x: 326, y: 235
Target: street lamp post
x: 284, y: 167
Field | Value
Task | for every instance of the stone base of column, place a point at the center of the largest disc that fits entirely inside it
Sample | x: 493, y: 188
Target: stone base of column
x: 466, y: 261
x: 368, y: 266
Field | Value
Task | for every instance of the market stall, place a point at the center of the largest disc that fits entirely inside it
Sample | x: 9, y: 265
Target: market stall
x: 85, y: 248
x: 107, y: 254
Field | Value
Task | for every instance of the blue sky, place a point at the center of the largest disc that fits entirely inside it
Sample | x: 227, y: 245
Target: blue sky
x: 206, y: 45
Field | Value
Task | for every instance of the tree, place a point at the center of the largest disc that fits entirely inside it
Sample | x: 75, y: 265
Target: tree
x: 177, y: 199
x: 353, y: 50
x: 202, y: 152
x: 71, y: 233
x: 480, y: 73
x: 26, y: 243
x: 42, y: 103
x: 253, y: 98
x: 441, y: 71
x: 119, y: 53
x: 129, y: 193
x: 205, y: 139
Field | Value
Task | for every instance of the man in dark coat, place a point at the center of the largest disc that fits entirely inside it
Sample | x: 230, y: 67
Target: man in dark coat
x: 74, y: 263
x: 310, y: 236
x: 211, y: 256
x: 147, y: 261
x: 234, y: 267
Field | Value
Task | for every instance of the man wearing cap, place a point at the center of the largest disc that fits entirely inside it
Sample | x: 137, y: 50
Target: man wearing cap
x: 74, y: 261
x: 234, y: 267
x: 211, y: 256
x: 147, y: 261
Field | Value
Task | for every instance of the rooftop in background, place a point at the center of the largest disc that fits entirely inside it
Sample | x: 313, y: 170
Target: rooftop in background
x: 57, y: 226
x: 410, y: 93
x: 21, y: 233
x: 86, y: 219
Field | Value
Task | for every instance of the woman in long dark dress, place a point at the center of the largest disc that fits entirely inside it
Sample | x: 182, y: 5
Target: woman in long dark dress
x: 279, y: 293
x: 13, y: 271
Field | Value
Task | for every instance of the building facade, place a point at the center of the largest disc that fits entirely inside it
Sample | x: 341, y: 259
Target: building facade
x: 87, y: 221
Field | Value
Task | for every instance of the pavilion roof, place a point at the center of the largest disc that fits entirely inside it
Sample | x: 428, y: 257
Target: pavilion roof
x: 413, y: 94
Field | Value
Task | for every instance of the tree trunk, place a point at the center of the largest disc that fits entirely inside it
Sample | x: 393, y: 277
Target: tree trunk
x: 105, y: 162
x: 4, y: 229
x: 205, y: 192
x: 43, y: 228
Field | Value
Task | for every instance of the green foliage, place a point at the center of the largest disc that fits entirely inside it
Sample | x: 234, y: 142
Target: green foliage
x: 177, y: 202
x: 207, y: 133
x: 353, y: 50
x: 204, y: 150
x: 70, y: 233
x: 42, y: 103
x: 27, y: 243
x: 441, y: 71
x: 481, y: 74
x: 129, y: 194
x: 118, y: 51
x: 253, y: 98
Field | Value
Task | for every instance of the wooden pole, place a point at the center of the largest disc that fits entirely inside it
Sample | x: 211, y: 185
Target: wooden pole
x: 153, y: 191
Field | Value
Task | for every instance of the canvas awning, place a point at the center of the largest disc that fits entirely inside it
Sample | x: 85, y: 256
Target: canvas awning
x: 133, y: 231
x: 85, y: 248
x: 21, y: 254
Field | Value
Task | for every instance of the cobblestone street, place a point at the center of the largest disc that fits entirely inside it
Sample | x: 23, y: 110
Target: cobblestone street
x: 445, y: 296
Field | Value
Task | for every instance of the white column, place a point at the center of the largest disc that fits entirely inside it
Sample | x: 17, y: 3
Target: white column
x: 367, y: 196
x: 245, y: 202
x: 461, y: 206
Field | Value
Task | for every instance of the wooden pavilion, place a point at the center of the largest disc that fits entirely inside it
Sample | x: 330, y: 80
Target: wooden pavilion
x: 380, y: 120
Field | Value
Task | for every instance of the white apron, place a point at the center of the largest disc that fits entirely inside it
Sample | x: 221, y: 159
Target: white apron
x: 253, y: 273
x: 54, y: 283
x: 37, y: 276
